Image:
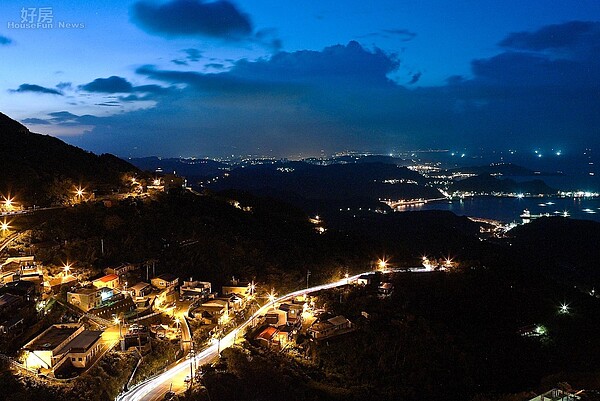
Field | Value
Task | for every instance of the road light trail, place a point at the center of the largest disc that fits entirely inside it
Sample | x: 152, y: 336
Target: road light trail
x: 155, y: 388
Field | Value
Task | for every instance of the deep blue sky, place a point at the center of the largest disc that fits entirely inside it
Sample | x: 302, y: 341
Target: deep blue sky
x: 289, y: 78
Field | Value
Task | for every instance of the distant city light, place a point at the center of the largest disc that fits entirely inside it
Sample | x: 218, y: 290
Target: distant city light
x: 564, y: 309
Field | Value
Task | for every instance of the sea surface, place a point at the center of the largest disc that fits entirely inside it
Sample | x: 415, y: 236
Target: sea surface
x: 507, y: 210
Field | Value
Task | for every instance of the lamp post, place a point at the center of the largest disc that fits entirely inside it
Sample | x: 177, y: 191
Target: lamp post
x: 272, y: 297
x: 4, y: 226
x: 118, y: 321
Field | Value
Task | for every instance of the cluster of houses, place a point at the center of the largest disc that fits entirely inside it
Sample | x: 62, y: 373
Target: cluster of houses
x: 21, y: 283
x: 284, y: 322
x: 25, y: 290
x: 210, y: 308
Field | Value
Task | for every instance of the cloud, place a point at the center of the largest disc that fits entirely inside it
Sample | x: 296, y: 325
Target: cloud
x: 35, y: 121
x: 404, y: 34
x: 268, y: 38
x: 569, y: 35
x: 62, y: 117
x: 64, y: 85
x: 112, y: 84
x: 342, y: 97
x: 115, y: 84
x: 176, y: 18
x: 351, y: 65
x: 216, y: 66
x: 563, y: 55
x: 66, y: 119
x: 415, y: 78
x: 36, y: 89
x: 5, y: 41
x: 193, y: 54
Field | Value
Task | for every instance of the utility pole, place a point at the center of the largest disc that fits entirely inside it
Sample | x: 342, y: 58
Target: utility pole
x: 102, y: 245
x: 307, y: 275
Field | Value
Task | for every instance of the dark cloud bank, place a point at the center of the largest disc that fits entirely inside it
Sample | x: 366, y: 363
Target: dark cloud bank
x: 542, y: 88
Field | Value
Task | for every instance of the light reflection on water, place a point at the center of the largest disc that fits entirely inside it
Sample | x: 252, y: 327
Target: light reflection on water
x: 508, y: 209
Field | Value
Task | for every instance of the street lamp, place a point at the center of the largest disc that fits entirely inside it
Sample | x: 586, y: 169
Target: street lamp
x: 382, y: 264
x: 4, y: 226
x: 8, y: 203
x: 118, y: 321
x: 564, y: 309
x: 272, y: 296
x: 66, y: 269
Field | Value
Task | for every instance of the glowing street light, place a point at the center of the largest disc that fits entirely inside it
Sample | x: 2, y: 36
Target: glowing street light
x: 66, y: 269
x: 272, y: 297
x: 564, y: 309
x: 4, y: 226
x: 382, y: 264
x: 116, y: 320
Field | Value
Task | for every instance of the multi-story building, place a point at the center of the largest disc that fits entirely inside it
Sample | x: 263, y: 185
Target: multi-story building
x: 62, y: 343
x: 89, y: 297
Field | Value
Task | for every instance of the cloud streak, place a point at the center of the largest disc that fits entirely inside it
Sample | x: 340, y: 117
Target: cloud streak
x: 24, y: 88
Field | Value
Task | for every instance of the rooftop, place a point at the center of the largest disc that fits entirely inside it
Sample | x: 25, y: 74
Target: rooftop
x: 8, y: 299
x: 85, y: 290
x: 338, y: 320
x: 51, y: 338
x: 267, y: 333
x: 108, y: 278
x: 83, y: 341
x: 139, y: 286
x: 167, y: 277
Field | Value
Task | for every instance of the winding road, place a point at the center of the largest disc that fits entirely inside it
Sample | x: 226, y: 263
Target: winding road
x: 155, y: 388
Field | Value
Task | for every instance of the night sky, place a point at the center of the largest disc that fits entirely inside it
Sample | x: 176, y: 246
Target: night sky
x: 295, y: 78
